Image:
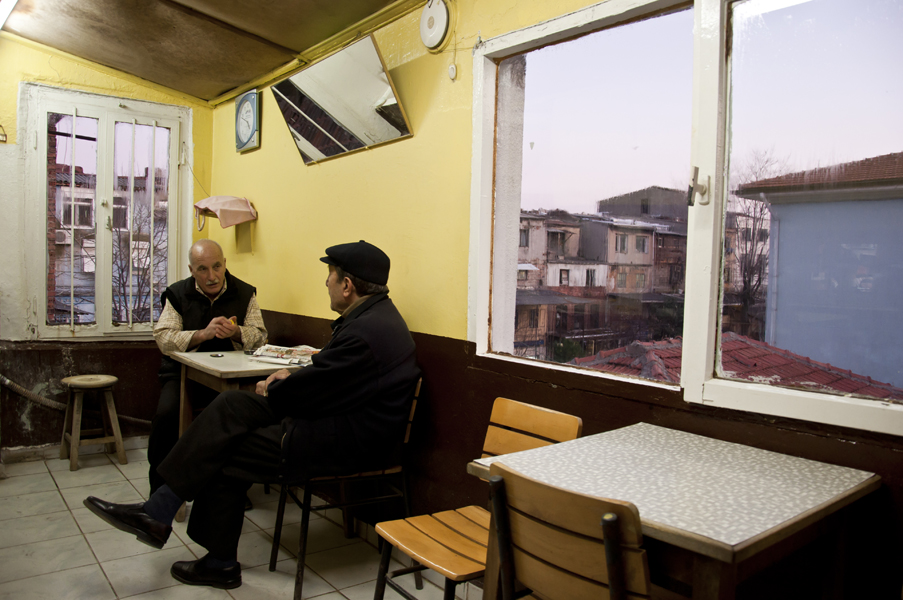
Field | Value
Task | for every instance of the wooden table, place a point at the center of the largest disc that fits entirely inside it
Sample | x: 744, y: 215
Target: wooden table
x: 716, y: 512
x: 219, y: 371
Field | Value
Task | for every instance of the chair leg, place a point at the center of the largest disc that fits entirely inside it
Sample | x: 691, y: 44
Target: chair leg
x: 67, y: 427
x: 302, y: 551
x: 347, y: 517
x: 418, y: 576
x: 277, y: 534
x: 75, y: 438
x: 114, y: 425
x: 384, y: 558
x: 449, y: 592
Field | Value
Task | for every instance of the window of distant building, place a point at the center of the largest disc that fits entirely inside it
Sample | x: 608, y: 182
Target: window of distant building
x: 642, y: 244
x: 644, y: 206
x: 640, y: 280
x: 817, y: 231
x: 564, y: 277
x: 524, y: 238
x: 99, y: 262
x: 590, y: 277
x: 522, y: 274
x: 660, y: 242
x: 534, y: 318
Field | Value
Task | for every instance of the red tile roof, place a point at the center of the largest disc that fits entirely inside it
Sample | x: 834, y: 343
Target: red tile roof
x: 875, y: 171
x: 742, y: 358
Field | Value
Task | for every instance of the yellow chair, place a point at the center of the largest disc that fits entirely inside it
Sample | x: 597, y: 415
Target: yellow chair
x: 453, y: 543
x: 563, y: 545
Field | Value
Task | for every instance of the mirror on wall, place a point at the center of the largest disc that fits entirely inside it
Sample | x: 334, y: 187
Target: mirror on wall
x: 343, y: 103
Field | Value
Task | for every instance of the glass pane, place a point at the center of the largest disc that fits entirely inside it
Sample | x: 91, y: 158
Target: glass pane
x: 813, y: 253
x: 605, y: 147
x: 70, y: 219
x: 139, y: 222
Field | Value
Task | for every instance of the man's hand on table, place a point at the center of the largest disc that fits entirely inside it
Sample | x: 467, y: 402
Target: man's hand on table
x: 262, y: 385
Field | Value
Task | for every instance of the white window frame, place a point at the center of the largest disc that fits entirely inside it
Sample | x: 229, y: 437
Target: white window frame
x: 495, y: 213
x: 35, y: 102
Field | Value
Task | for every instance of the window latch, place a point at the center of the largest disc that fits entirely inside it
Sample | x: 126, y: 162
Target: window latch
x: 109, y: 224
x: 698, y: 188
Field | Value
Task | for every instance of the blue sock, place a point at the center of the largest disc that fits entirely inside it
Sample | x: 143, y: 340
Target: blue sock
x: 163, y: 505
x: 216, y: 563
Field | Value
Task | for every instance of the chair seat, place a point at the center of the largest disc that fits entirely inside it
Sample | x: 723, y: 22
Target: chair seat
x: 89, y: 382
x: 451, y: 542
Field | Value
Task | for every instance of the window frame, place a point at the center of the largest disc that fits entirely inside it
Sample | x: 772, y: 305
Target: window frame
x: 35, y: 102
x: 494, y: 213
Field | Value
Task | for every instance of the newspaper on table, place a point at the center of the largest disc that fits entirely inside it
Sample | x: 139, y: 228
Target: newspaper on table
x: 285, y: 355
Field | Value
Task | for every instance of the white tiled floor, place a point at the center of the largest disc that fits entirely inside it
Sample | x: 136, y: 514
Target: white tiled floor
x: 51, y: 546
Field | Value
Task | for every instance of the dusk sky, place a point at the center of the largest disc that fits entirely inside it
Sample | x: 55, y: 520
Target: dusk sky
x: 816, y: 83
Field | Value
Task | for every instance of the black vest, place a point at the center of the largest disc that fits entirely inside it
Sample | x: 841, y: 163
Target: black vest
x: 197, y: 311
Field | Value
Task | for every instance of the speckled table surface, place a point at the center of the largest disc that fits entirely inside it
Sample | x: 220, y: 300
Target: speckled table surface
x: 726, y: 492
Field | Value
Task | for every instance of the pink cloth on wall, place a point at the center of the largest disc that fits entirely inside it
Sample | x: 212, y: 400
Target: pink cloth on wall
x: 230, y: 210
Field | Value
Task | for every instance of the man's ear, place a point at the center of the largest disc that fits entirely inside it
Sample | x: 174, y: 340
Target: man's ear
x: 348, y: 289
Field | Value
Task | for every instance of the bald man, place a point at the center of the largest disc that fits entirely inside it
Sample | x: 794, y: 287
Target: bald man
x: 211, y: 311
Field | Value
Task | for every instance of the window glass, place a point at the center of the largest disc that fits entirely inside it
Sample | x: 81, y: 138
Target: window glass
x: 813, y: 248
x: 139, y: 257
x: 70, y: 218
x: 602, y: 154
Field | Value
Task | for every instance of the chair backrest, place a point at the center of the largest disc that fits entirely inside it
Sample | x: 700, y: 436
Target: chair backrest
x: 565, y: 545
x: 407, y: 431
x: 515, y: 426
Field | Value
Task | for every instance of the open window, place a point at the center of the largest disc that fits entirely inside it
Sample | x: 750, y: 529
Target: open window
x: 793, y: 254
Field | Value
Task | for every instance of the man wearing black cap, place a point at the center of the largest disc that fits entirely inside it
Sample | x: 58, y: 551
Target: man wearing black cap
x: 348, y: 409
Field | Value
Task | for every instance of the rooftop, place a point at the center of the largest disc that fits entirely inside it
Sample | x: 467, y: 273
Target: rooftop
x: 882, y: 170
x: 742, y: 358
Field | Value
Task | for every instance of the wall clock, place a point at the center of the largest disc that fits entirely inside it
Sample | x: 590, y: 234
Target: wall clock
x: 434, y: 25
x: 247, y: 121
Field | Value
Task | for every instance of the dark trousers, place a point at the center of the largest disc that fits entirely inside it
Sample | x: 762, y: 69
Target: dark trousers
x: 165, y: 426
x: 234, y: 442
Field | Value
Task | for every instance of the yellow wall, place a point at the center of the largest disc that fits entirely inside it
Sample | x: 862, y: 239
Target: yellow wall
x: 22, y: 60
x: 411, y: 197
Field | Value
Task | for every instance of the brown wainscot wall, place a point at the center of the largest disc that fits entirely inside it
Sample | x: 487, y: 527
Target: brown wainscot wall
x: 39, y: 367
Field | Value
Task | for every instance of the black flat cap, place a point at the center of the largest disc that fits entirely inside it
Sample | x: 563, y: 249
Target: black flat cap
x: 361, y: 259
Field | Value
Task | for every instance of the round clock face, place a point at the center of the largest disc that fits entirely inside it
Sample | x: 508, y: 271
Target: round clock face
x: 245, y: 121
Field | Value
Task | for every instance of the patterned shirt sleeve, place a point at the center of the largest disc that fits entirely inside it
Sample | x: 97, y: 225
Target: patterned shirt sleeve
x: 253, y: 332
x: 168, y: 331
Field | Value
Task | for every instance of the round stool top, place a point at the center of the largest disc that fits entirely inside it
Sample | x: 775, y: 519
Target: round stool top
x: 90, y: 381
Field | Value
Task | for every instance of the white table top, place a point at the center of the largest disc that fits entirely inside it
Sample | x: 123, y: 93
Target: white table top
x: 720, y: 490
x: 229, y: 365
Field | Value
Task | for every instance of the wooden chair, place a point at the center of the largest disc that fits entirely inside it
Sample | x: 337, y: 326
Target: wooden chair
x: 453, y: 543
x: 563, y: 545
x: 391, y: 483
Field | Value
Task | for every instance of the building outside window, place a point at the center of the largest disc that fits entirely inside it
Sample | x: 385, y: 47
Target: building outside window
x: 524, y: 238
x: 564, y: 277
x: 642, y: 244
x: 621, y: 243
x: 640, y: 280
x: 622, y: 279
x: 590, y: 277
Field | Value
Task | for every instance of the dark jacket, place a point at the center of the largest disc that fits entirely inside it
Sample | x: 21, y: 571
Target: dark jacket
x: 348, y: 409
x: 197, y: 311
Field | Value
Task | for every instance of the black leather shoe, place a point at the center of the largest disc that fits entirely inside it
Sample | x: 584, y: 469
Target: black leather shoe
x: 131, y: 518
x: 197, y: 572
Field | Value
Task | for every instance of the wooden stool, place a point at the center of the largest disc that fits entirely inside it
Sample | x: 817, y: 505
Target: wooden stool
x: 72, y: 441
